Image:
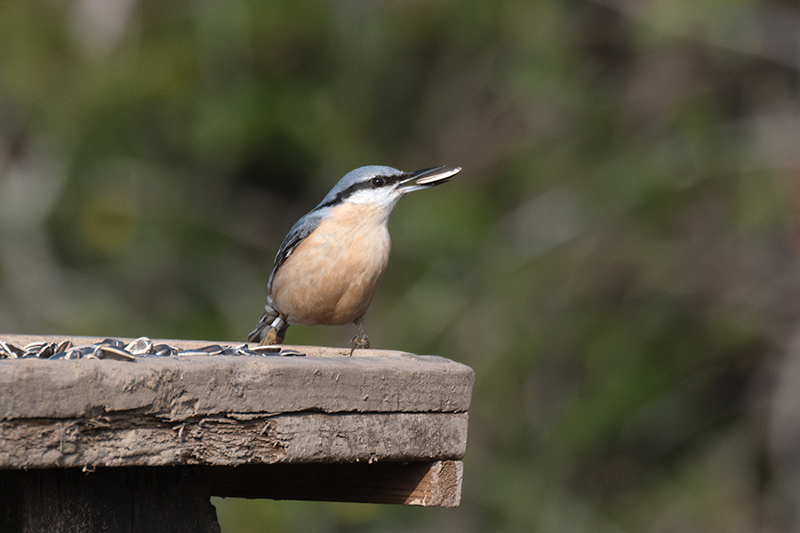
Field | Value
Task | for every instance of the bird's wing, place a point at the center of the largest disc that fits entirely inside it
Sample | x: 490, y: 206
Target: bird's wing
x: 302, y: 229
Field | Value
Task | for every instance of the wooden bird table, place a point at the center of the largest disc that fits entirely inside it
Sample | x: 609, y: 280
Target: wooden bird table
x: 104, y: 445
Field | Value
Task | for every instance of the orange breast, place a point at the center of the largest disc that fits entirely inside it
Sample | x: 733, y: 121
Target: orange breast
x: 331, y: 277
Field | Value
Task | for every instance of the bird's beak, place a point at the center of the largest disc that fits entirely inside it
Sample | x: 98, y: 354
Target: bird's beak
x: 427, y: 178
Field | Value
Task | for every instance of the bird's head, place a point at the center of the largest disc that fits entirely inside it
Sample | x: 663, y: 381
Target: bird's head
x: 382, y: 186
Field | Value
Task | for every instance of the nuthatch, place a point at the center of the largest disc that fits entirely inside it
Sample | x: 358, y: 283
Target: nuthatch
x: 328, y: 267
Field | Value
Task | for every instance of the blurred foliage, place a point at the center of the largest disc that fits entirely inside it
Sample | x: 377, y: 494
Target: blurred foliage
x: 616, y: 260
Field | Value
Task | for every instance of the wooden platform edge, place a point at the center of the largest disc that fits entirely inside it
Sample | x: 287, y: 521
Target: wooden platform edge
x: 118, y: 440
x: 426, y: 484
x: 182, y: 387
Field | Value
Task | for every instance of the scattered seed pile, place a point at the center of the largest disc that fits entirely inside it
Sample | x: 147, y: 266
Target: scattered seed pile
x: 119, y: 351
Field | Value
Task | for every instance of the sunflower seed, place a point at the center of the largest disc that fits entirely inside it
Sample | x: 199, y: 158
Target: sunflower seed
x: 64, y: 346
x: 33, y: 348
x: 191, y: 353
x: 211, y: 349
x: 107, y: 351
x: 47, y: 350
x: 274, y: 348
x: 140, y: 346
x: 79, y: 352
x: 164, y: 350
x: 10, y: 350
x: 112, y: 342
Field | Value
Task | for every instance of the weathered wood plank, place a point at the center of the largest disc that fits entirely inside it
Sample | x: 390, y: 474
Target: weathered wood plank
x: 183, y: 387
x: 436, y: 483
x: 140, y: 440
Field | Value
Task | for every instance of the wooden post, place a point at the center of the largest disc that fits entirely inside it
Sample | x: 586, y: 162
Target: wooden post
x: 122, y: 500
x: 108, y: 442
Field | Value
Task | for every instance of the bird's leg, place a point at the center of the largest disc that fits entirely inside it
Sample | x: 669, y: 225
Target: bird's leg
x: 276, y: 333
x: 361, y: 340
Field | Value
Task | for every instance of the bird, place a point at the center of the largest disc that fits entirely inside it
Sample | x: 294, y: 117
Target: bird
x: 328, y: 267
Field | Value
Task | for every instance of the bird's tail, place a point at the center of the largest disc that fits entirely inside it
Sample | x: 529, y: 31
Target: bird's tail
x: 265, y: 322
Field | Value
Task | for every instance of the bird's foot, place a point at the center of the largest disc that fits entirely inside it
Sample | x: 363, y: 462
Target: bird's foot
x: 271, y: 337
x: 359, y: 341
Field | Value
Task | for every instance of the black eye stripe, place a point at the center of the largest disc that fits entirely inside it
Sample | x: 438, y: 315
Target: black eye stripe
x: 365, y: 184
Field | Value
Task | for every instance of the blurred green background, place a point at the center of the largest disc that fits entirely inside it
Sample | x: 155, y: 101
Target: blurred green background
x: 617, y: 260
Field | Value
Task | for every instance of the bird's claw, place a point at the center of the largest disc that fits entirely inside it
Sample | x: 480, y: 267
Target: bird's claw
x: 271, y: 337
x: 359, y: 341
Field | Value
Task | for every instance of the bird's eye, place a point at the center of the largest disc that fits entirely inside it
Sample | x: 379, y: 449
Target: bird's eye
x: 378, y: 182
